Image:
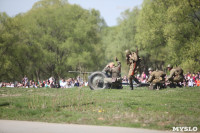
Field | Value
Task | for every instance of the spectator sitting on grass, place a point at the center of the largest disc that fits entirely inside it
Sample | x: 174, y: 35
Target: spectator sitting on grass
x: 40, y: 84
x: 63, y: 83
x: 190, y: 82
x: 76, y: 83
x: 86, y: 83
x: 125, y: 79
x: 34, y: 84
x: 198, y: 82
x: 47, y: 85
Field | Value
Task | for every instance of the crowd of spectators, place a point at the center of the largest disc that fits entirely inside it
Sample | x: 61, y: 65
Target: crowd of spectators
x: 190, y: 80
x: 71, y: 82
x: 48, y: 83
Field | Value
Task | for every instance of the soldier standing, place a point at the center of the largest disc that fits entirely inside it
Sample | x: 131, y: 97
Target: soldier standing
x: 133, y: 61
x: 156, y: 79
x: 114, y: 75
x: 176, y: 76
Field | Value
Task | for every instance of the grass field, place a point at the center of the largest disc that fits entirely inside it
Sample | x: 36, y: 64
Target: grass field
x: 141, y: 107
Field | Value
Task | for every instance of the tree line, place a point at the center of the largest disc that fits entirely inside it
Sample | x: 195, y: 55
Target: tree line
x: 164, y: 31
x: 55, y: 37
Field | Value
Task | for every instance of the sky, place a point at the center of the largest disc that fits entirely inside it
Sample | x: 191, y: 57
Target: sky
x: 110, y: 10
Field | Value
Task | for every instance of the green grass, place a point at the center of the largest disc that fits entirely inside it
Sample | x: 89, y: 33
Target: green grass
x: 141, y: 107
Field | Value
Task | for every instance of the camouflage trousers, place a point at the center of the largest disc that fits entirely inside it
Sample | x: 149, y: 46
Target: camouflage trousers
x: 157, y: 84
x: 177, y: 79
x: 131, y: 76
x: 175, y: 82
x: 131, y: 69
x: 113, y: 83
x: 158, y: 81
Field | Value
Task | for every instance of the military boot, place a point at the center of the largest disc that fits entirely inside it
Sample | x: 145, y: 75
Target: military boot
x: 172, y: 85
x: 131, y: 83
x: 179, y: 85
x: 157, y: 87
x: 131, y: 87
x: 151, y: 87
x: 136, y: 80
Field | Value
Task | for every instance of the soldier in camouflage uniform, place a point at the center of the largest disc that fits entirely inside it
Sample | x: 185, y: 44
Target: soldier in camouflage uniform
x: 176, y: 76
x: 108, y: 69
x: 133, y: 61
x: 156, y: 79
x: 114, y: 75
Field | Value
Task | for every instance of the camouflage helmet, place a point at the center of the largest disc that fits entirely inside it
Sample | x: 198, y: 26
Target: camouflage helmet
x: 169, y: 66
x: 150, y: 69
x: 128, y: 52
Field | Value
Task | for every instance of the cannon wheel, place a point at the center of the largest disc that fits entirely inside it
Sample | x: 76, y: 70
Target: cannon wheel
x: 96, y: 81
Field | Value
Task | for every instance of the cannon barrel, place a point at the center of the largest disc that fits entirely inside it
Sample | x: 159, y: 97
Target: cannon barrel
x: 78, y: 72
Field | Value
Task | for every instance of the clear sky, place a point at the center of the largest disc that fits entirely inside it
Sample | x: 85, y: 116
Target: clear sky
x: 110, y: 9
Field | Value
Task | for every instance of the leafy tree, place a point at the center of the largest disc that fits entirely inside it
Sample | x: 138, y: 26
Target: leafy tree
x: 51, y: 39
x: 168, y: 30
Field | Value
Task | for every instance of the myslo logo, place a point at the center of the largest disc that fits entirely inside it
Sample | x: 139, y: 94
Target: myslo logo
x: 184, y: 129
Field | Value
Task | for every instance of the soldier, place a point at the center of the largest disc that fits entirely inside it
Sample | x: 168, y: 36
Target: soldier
x: 176, y: 76
x: 133, y: 61
x: 108, y: 69
x: 114, y: 75
x: 156, y: 79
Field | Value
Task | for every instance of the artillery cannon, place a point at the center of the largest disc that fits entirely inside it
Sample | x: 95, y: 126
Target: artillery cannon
x: 96, y: 81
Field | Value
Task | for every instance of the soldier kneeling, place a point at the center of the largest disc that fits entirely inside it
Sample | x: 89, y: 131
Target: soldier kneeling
x: 113, y: 72
x: 176, y: 76
x: 156, y: 79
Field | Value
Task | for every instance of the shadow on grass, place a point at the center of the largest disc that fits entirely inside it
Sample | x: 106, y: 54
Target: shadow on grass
x: 75, y: 104
x: 135, y: 105
x: 4, y: 104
